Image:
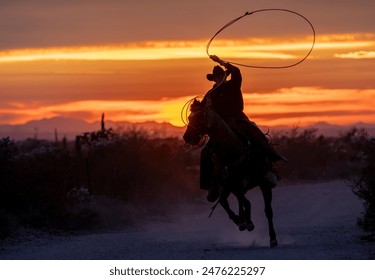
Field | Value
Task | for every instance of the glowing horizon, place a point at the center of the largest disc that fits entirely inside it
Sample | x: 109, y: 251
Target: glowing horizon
x: 290, y: 106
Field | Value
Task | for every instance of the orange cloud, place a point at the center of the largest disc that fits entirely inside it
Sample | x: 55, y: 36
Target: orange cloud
x: 257, y: 48
x: 307, y: 105
x: 357, y: 55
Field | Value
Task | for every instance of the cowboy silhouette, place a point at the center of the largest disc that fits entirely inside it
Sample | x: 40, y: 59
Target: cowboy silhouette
x: 226, y: 99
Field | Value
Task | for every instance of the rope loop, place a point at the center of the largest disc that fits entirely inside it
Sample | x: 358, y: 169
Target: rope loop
x: 260, y: 11
x: 185, y: 109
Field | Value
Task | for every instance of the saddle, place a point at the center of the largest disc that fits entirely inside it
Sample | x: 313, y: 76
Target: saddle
x: 253, y: 136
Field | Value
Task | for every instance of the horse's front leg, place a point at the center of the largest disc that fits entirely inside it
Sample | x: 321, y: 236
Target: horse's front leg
x: 267, y: 196
x: 243, y: 217
x: 225, y: 204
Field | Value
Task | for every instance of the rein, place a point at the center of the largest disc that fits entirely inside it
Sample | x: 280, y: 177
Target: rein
x: 214, y: 207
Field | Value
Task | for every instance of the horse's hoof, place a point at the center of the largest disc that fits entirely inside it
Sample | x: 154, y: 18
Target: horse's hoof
x: 242, y: 226
x: 250, y: 226
x: 273, y: 243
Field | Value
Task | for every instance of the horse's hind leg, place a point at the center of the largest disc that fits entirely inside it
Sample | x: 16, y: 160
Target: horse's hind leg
x: 267, y: 196
x: 247, y: 208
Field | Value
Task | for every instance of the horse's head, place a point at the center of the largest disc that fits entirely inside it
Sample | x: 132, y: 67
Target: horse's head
x: 196, y: 127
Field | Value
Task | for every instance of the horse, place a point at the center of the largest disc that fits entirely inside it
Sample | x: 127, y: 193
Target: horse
x: 237, y: 168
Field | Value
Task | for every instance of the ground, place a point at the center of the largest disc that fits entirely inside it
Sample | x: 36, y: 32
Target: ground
x: 312, y: 221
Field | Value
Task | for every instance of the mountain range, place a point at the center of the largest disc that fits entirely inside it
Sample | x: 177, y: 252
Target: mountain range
x: 59, y: 127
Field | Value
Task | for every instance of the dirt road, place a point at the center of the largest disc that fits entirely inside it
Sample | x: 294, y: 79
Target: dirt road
x: 313, y: 221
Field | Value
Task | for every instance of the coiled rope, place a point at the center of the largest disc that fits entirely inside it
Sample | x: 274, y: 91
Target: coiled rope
x: 185, y: 108
x: 260, y: 11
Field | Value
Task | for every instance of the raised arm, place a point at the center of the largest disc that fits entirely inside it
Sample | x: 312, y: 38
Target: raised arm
x: 236, y: 76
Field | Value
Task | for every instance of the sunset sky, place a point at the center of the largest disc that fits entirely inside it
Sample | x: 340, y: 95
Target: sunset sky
x: 142, y: 60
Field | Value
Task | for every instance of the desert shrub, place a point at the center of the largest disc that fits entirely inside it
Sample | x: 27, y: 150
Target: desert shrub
x: 32, y: 185
x: 317, y: 157
x: 302, y: 151
x: 39, y: 179
x: 8, y: 225
x: 140, y: 170
x: 80, y: 212
x: 364, y: 185
x: 47, y: 185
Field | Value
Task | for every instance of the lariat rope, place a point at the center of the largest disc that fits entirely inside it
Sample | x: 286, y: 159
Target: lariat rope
x: 260, y: 11
x: 185, y: 108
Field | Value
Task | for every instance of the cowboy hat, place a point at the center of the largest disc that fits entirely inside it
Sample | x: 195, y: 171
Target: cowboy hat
x: 217, y: 71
